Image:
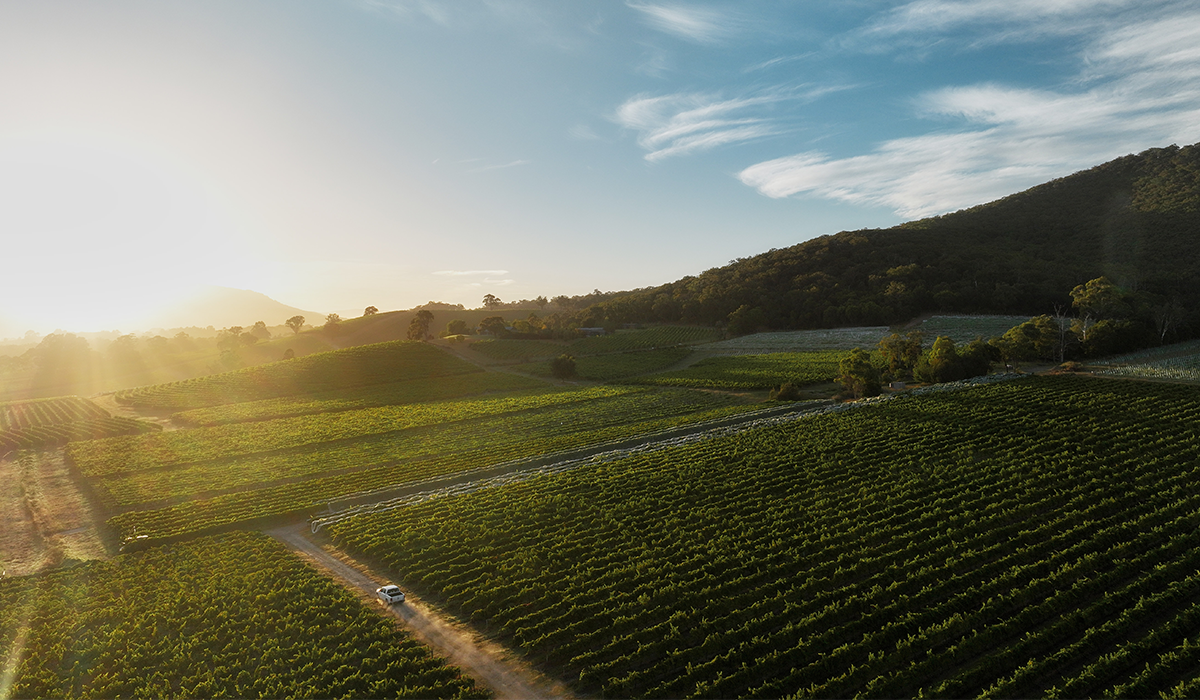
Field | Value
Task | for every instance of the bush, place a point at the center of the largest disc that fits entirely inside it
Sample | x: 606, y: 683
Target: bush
x: 563, y: 367
x: 785, y: 392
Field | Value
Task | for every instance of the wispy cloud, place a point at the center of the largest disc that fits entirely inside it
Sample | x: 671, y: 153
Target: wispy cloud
x: 1144, y: 91
x: 513, y: 164
x: 583, y: 132
x: 438, y: 12
x: 530, y: 20
x: 976, y: 22
x: 683, y: 123
x: 698, y: 24
x: 470, y: 273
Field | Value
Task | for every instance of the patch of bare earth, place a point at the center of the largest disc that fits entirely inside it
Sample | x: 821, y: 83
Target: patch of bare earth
x: 488, y: 663
x: 109, y: 403
x: 45, y: 520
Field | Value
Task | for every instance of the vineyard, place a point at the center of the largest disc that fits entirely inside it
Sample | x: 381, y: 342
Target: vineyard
x: 964, y: 329
x: 393, y: 394
x: 40, y: 423
x: 801, y: 341
x: 748, y: 372
x: 604, y: 368
x: 1030, y: 538
x: 193, y: 481
x: 645, y: 339
x: 231, y: 616
x: 1178, y: 362
x: 367, y: 365
x: 518, y: 350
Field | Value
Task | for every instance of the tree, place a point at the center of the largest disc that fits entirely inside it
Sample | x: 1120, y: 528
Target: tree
x: 901, y: 352
x: 229, y: 340
x: 418, y: 327
x: 260, y: 331
x: 370, y: 311
x: 946, y: 363
x: 563, y: 366
x: 456, y: 327
x: 295, y: 323
x: 333, y: 324
x: 541, y: 302
x: 1097, y: 299
x: 858, y: 375
x: 1167, y: 317
x: 493, y: 325
x: 746, y: 319
x: 491, y: 301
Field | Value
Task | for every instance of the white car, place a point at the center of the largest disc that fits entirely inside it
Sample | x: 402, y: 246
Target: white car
x: 390, y: 594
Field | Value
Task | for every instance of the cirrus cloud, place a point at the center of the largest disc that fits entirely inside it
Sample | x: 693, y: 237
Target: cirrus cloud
x: 1144, y: 92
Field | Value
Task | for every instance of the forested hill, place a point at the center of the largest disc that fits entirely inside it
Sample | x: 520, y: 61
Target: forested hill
x: 1135, y: 220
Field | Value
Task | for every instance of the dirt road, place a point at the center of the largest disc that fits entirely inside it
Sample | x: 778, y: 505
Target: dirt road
x: 486, y: 662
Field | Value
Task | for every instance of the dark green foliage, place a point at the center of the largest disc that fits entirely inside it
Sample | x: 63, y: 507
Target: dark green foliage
x: 563, y: 367
x: 493, y: 325
x: 785, y: 392
x: 746, y: 320
x: 418, y: 327
x: 858, y: 375
x: 945, y: 363
x: 1133, y: 219
x: 901, y: 353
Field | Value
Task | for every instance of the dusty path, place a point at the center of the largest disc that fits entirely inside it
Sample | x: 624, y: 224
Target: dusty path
x: 45, y: 520
x: 486, y: 662
x: 108, y: 402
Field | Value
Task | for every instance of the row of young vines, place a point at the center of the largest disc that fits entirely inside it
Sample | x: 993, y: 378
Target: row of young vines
x: 1035, y: 537
x: 231, y: 616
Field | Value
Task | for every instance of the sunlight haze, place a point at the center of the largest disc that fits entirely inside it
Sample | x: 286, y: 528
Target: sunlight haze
x: 338, y: 154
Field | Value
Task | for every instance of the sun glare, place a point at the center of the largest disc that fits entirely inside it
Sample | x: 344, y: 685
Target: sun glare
x: 99, y: 237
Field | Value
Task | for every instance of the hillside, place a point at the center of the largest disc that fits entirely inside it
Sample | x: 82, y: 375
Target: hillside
x: 1134, y: 219
x: 221, y: 307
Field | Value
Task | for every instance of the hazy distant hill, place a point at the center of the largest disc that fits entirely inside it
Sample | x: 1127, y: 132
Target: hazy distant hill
x: 221, y: 307
x: 1135, y: 219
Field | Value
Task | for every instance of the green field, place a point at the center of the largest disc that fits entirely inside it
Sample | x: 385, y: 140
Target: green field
x: 1030, y: 538
x: 193, y: 481
x: 518, y: 350
x: 367, y: 365
x: 231, y: 616
x: 392, y: 394
x: 644, y: 339
x: 748, y: 372
x: 604, y: 368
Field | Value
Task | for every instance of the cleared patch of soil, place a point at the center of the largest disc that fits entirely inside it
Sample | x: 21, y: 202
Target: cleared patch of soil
x: 45, y: 520
x: 109, y: 403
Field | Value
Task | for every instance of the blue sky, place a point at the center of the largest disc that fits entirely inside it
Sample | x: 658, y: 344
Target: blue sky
x: 342, y: 153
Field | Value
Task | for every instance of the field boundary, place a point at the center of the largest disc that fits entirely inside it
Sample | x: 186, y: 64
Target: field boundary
x: 523, y: 470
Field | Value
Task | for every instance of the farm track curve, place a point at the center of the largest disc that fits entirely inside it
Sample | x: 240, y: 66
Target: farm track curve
x: 488, y: 663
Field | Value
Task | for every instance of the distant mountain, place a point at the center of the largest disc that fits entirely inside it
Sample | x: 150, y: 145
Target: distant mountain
x: 221, y: 307
x: 1135, y: 219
